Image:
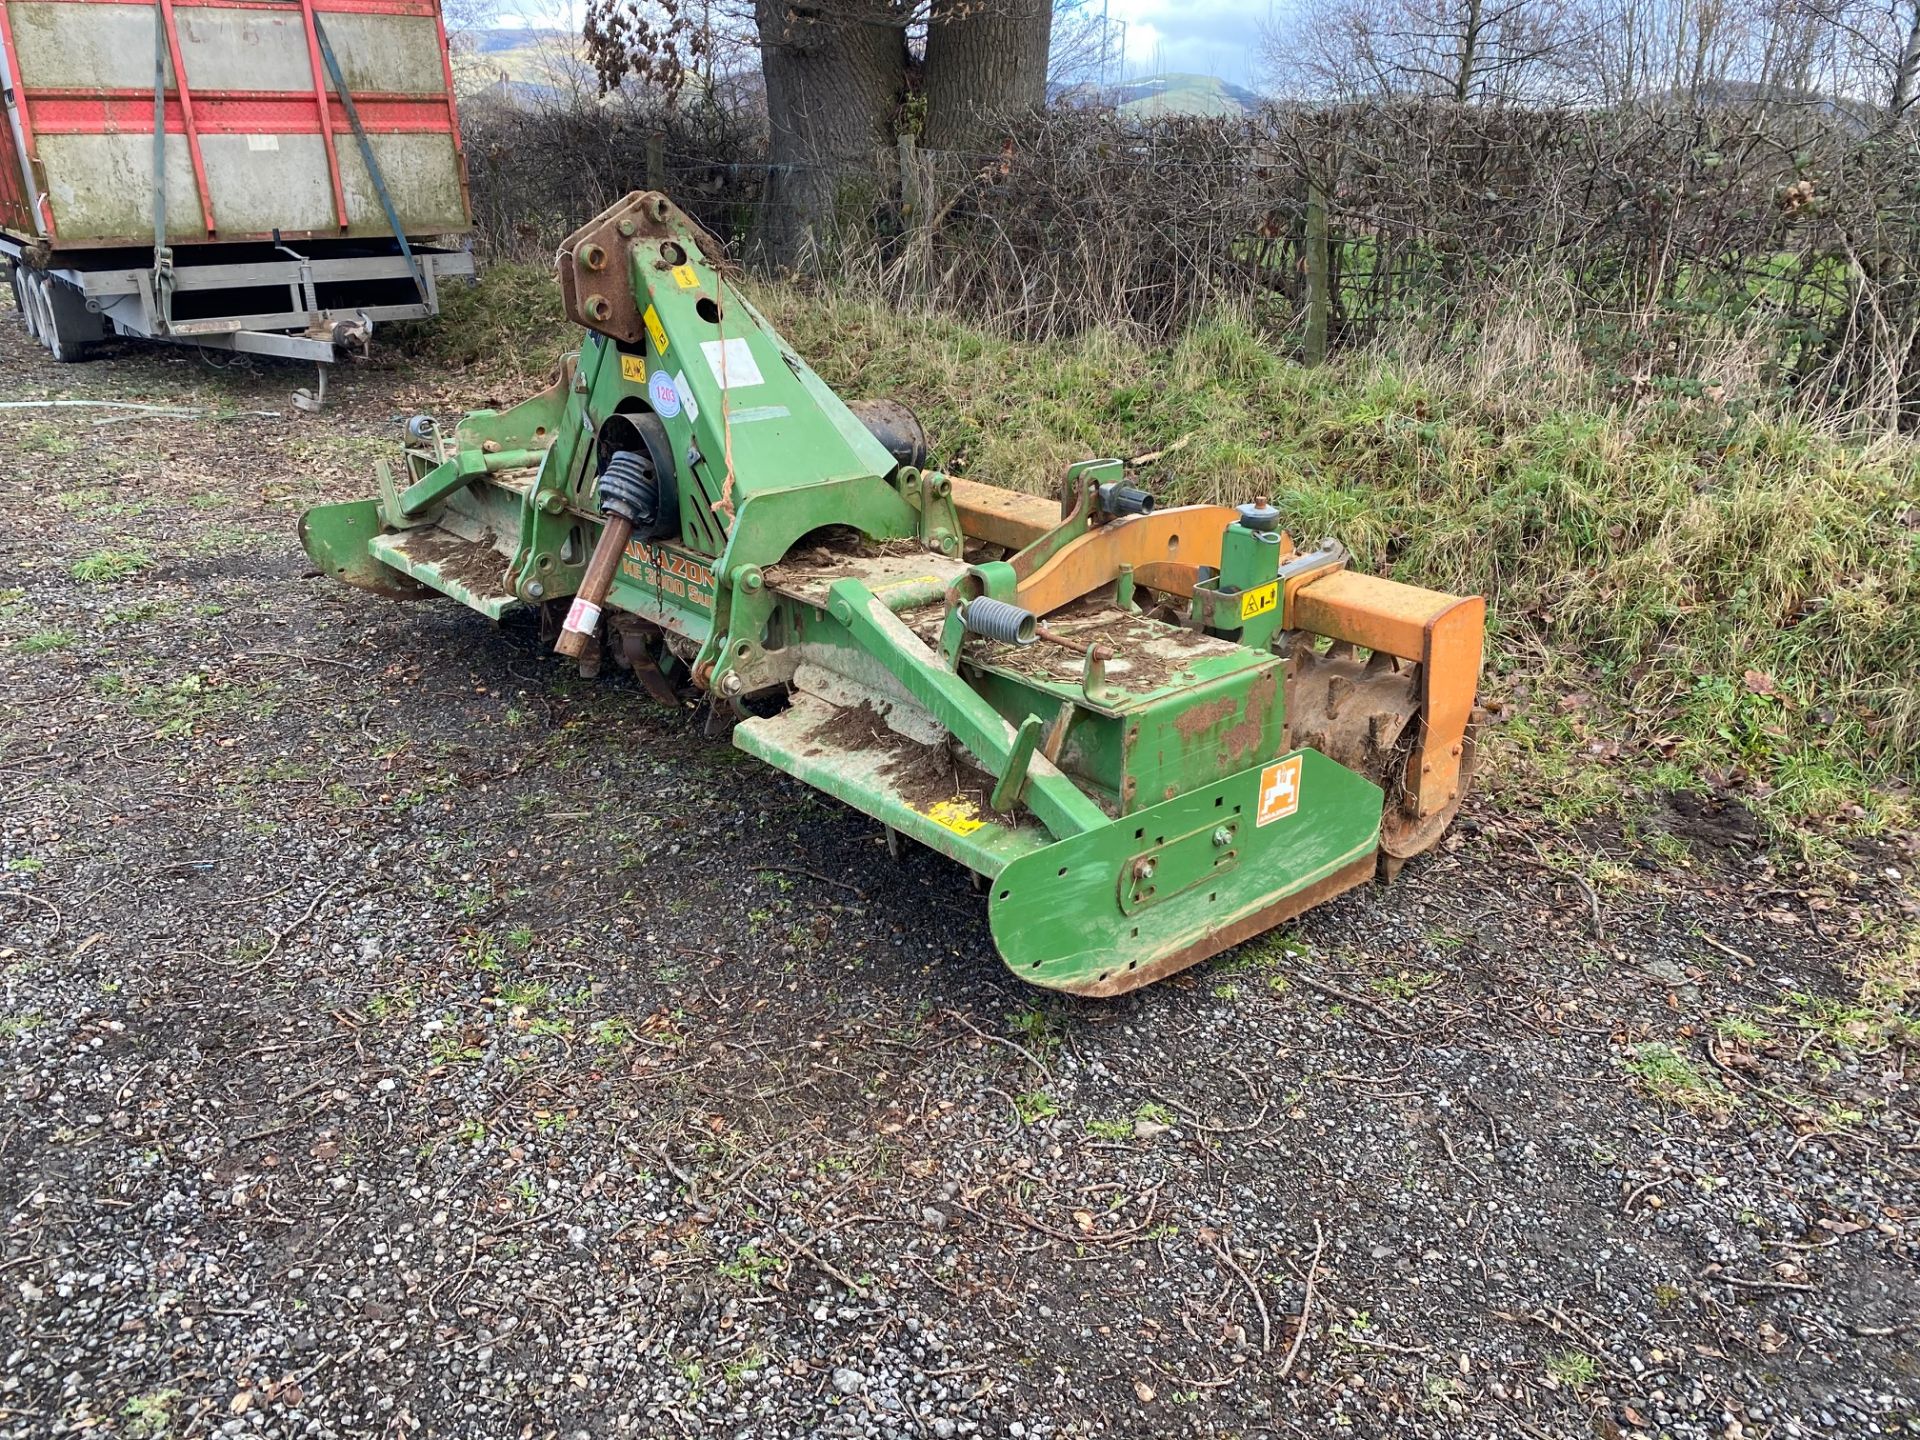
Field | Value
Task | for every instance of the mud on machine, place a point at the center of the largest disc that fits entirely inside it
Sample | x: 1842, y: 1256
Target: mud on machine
x: 1155, y: 731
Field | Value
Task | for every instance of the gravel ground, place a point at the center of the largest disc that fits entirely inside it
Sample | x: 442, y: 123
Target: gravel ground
x: 403, y: 1037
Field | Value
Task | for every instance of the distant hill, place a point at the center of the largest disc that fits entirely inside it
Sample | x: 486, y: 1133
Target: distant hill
x: 519, y: 56
x: 1180, y: 94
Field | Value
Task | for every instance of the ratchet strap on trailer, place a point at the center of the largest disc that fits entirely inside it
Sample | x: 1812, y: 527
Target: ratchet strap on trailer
x: 162, y: 252
x: 366, y: 154
x: 184, y: 94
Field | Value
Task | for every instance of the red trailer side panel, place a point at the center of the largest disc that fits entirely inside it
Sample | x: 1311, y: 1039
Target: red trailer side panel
x: 256, y: 139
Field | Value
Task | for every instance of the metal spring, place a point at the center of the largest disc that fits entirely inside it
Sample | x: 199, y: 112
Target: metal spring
x: 997, y: 620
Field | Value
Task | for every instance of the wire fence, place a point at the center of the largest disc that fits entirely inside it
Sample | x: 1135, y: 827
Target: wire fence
x: 1793, y: 228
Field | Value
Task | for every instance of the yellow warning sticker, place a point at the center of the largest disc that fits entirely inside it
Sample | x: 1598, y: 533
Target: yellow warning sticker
x: 656, y: 329
x: 959, y: 816
x: 1279, y: 791
x: 686, y: 277
x: 1260, y: 601
x: 634, y: 368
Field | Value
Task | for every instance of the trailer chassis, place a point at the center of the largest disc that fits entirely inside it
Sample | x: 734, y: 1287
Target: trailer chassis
x: 72, y: 299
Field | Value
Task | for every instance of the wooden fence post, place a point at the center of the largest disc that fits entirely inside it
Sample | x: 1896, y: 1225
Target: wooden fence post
x: 910, y: 183
x: 656, y: 162
x: 1319, y: 300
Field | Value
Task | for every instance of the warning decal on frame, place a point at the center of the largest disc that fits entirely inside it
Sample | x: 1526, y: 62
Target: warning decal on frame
x: 736, y: 359
x: 633, y: 368
x: 959, y: 816
x: 686, y: 277
x: 656, y: 329
x: 1260, y: 601
x: 1279, y: 791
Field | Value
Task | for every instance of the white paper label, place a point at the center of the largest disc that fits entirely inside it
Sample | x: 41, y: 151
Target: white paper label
x: 741, y: 371
x: 263, y: 142
x: 582, y: 616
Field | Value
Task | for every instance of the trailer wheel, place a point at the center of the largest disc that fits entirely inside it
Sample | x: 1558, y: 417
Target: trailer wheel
x: 24, y: 295
x: 64, y: 349
x: 19, y: 294
x: 61, y: 344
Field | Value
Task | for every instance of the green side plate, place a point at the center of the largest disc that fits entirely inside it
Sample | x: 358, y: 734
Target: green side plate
x: 336, y: 538
x: 1170, y: 885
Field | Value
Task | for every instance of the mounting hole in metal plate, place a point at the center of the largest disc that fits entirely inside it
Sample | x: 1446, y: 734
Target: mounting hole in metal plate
x: 671, y: 252
x: 708, y: 309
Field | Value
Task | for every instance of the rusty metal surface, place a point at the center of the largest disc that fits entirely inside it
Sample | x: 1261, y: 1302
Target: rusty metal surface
x: 595, y: 262
x: 1186, y: 537
x: 1228, y: 936
x: 1368, y: 715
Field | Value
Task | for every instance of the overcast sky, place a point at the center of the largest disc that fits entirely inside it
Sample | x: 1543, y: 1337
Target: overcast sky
x: 1204, y: 37
x: 1200, y: 37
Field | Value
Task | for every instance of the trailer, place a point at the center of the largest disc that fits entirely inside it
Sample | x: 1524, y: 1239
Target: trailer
x: 273, y: 177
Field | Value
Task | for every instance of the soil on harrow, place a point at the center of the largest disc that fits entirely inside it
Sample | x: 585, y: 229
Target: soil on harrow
x: 402, y: 1036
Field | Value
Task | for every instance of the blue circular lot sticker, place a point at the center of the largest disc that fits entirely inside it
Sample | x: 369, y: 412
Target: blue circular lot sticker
x: 666, y: 399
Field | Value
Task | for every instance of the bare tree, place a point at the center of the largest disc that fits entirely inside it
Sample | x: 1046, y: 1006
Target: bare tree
x: 1878, y: 43
x: 1084, y: 49
x: 1467, y: 51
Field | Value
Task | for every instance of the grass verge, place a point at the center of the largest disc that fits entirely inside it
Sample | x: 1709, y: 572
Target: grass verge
x: 1726, y: 594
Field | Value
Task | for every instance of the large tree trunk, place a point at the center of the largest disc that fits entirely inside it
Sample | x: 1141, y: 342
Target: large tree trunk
x: 1469, y: 58
x: 834, y: 75
x: 986, y: 61
x: 1907, y: 71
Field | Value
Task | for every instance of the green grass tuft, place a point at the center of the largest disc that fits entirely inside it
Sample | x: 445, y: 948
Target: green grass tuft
x: 104, y: 567
x: 1672, y: 1079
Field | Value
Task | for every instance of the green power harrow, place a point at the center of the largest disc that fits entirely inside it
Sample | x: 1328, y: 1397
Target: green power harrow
x: 1153, y: 732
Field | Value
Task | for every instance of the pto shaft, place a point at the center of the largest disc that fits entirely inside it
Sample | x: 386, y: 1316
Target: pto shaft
x: 583, y: 616
x: 629, y: 498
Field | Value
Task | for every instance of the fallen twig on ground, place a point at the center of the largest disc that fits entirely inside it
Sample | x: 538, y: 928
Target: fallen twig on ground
x: 1225, y: 1252
x: 1306, y: 1302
